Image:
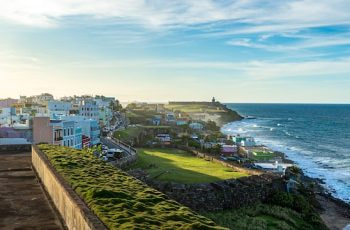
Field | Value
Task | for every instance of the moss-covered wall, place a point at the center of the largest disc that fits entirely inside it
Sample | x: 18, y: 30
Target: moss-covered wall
x: 117, y: 199
x: 73, y: 211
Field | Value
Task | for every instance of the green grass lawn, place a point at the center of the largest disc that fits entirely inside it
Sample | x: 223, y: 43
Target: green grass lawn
x: 119, y: 200
x: 263, y: 155
x: 192, y: 108
x: 156, y: 126
x: 128, y: 134
x: 179, y: 166
x: 131, y: 133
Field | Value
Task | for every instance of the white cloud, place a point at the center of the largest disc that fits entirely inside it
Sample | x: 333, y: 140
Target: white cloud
x: 250, y: 70
x: 305, y: 42
x: 262, y: 15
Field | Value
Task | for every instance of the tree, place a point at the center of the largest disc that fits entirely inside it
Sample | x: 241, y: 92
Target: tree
x: 211, y: 125
x: 216, y: 149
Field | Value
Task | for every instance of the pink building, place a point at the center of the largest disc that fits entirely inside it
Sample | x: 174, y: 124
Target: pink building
x: 42, y: 130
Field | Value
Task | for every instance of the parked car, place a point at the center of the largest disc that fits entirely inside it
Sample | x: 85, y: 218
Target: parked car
x: 113, y: 153
x: 105, y: 158
x: 223, y: 158
x: 235, y: 159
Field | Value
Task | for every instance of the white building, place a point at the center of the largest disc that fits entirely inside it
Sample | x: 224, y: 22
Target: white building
x: 196, y: 126
x: 8, y: 116
x: 43, y: 98
x: 274, y: 167
x: 89, y: 109
x: 58, y: 108
x: 248, y: 142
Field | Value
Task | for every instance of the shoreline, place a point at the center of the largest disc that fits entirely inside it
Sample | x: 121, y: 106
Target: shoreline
x: 334, y: 211
x: 286, y: 159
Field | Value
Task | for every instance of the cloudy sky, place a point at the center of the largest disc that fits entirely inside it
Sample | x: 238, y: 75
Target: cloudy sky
x: 154, y: 50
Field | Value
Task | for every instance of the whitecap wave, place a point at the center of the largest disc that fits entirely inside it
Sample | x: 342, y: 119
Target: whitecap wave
x: 334, y: 172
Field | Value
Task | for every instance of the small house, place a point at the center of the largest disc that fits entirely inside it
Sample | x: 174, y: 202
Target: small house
x: 181, y: 122
x: 228, y: 150
x: 164, y: 138
x: 156, y: 120
x: 196, y: 126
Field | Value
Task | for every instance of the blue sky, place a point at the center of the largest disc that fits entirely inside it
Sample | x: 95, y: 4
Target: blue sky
x: 238, y: 51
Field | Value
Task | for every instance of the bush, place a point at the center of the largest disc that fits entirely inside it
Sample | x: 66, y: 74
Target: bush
x: 262, y: 217
x: 299, y: 203
x: 194, y: 144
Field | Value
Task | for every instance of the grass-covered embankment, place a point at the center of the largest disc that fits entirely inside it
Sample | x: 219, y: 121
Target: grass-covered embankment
x: 128, y: 134
x: 119, y: 200
x: 140, y: 133
x: 175, y: 165
x: 216, y: 108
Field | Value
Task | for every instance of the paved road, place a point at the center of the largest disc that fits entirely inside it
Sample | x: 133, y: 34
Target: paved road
x: 112, y: 144
x: 108, y: 141
x: 23, y: 203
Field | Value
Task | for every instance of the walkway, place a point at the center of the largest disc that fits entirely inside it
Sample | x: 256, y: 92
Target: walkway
x: 23, y: 203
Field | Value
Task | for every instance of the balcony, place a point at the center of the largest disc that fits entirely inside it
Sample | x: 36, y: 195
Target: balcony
x: 58, y: 139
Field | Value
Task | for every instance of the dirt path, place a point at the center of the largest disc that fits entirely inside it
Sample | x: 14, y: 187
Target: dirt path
x: 335, y: 216
x: 23, y: 202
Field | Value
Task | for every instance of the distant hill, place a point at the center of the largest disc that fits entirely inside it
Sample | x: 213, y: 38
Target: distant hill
x: 205, y: 111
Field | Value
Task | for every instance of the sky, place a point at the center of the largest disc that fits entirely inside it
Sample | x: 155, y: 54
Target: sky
x: 293, y: 51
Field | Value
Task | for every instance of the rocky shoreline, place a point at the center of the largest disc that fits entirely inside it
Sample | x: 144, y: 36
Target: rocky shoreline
x: 333, y: 211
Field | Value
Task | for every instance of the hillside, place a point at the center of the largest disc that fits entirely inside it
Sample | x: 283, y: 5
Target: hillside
x: 214, y: 111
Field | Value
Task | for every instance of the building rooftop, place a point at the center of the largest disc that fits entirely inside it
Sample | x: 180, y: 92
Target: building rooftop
x: 14, y: 141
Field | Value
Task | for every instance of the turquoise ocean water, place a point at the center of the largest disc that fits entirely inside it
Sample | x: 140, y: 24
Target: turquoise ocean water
x: 316, y: 137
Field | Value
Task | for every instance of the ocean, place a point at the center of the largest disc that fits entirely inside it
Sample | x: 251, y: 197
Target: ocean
x: 316, y: 137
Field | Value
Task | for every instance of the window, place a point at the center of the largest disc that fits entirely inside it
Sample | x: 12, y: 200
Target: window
x: 64, y: 132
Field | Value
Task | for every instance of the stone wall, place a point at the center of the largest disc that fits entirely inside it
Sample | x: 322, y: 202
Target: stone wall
x: 73, y: 210
x: 220, y: 195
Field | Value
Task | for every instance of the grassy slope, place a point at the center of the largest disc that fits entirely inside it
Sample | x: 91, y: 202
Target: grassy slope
x: 193, y: 108
x: 119, y: 200
x: 131, y: 133
x: 227, y: 115
x: 179, y: 166
x: 128, y: 133
x: 261, y: 216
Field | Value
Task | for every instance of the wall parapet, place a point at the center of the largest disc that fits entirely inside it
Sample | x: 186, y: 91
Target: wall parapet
x: 73, y: 210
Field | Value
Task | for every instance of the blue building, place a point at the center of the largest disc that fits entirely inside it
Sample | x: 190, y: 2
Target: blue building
x: 94, y: 132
